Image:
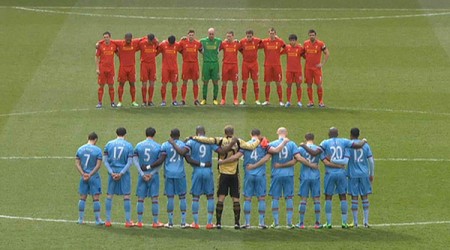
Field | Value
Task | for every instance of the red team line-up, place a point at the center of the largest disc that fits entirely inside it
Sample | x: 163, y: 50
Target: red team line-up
x: 210, y: 46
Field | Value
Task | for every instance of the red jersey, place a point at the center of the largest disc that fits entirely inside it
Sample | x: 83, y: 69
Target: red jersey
x: 249, y: 49
x: 272, y: 50
x: 190, y: 50
x: 106, y: 54
x: 313, y: 52
x: 148, y: 50
x: 169, y: 53
x: 127, y: 51
x: 230, y: 51
x: 293, y: 57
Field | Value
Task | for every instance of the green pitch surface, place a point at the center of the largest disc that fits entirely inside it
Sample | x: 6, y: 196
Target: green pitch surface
x: 388, y: 74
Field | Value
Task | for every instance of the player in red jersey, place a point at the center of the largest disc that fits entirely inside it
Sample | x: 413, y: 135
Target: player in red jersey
x: 272, y: 64
x: 127, y: 69
x: 250, y: 67
x: 169, y: 50
x: 149, y: 50
x: 313, y: 65
x: 294, y: 52
x: 190, y: 49
x: 230, y: 69
x: 104, y: 59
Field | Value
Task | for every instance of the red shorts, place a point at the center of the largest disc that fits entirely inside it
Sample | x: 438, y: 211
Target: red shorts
x: 148, y: 72
x: 127, y: 73
x: 230, y: 72
x: 250, y: 69
x: 313, y: 75
x: 169, y: 75
x: 293, y: 77
x: 106, y: 76
x: 190, y: 71
x: 272, y: 73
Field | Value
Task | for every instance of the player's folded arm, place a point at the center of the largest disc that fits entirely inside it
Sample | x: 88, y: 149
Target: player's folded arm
x: 312, y: 152
x: 157, y: 163
x: 138, y: 165
x: 207, y: 140
x: 232, y: 158
x: 331, y: 164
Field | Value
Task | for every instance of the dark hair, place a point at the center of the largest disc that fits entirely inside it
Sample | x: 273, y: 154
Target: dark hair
x: 230, y: 32
x: 92, y: 136
x: 191, y: 31
x: 354, y: 132
x: 121, y: 131
x: 312, y: 31
x: 249, y: 32
x: 309, y: 136
x: 150, y: 37
x: 175, y: 133
x: 255, y: 131
x: 150, y: 132
x: 293, y: 37
x: 272, y: 29
x: 171, y: 39
x: 107, y: 33
x: 128, y: 35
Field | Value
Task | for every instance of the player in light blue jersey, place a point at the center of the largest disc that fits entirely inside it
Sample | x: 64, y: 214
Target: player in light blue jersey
x: 309, y: 183
x: 174, y: 175
x: 146, y: 153
x: 335, y: 180
x: 118, y: 158
x: 360, y: 173
x: 199, y: 156
x: 283, y: 177
x: 88, y: 161
x: 254, y: 178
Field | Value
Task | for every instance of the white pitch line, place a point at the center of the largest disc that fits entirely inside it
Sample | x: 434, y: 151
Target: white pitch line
x: 337, y: 108
x: 42, y: 112
x: 217, y: 8
x: 230, y: 19
x: 420, y: 223
x: 73, y: 157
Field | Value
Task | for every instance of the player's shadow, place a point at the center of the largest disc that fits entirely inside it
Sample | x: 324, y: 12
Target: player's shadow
x: 268, y: 236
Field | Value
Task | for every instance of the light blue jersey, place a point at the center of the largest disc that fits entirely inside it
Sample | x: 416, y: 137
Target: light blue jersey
x: 118, y: 152
x: 358, y: 162
x: 174, y: 163
x: 147, y: 152
x: 334, y: 149
x: 201, y: 152
x: 285, y: 155
x: 88, y: 155
x: 253, y: 156
x: 307, y: 173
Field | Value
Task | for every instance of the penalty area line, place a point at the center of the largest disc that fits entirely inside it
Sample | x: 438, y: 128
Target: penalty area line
x: 26, y: 218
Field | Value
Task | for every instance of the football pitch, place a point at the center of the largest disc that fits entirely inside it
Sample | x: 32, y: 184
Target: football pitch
x: 388, y: 75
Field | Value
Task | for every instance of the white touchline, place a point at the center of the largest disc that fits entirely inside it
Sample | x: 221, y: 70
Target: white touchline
x: 219, y: 8
x: 230, y: 19
x: 419, y: 223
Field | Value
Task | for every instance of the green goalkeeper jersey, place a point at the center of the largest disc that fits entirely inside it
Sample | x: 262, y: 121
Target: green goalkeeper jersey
x: 210, y: 49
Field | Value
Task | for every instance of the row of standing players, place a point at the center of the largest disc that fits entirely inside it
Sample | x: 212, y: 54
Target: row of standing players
x: 149, y: 156
x: 312, y: 50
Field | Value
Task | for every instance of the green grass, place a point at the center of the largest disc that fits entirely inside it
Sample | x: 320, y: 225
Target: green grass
x: 386, y: 76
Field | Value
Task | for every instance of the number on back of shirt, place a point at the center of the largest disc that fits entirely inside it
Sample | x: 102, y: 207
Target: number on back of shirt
x: 175, y: 157
x: 336, y: 152
x: 202, y: 151
x: 283, y: 154
x: 118, y: 152
x: 88, y: 156
x: 147, y: 154
x: 358, y: 155
x: 254, y: 155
